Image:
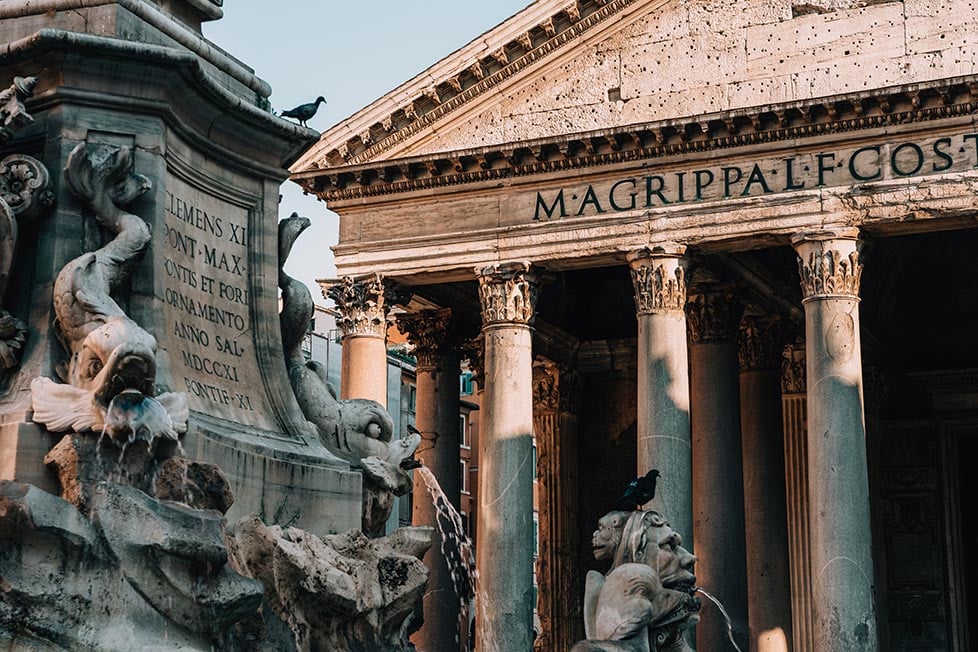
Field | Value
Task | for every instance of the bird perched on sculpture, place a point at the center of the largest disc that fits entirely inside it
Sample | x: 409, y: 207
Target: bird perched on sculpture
x: 304, y: 112
x: 638, y: 492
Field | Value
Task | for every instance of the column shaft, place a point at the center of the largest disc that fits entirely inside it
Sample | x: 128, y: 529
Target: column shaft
x: 663, y: 381
x: 555, y: 391
x: 841, y: 552
x: 504, y: 553
x: 718, y: 482
x: 437, y: 419
x: 765, y: 512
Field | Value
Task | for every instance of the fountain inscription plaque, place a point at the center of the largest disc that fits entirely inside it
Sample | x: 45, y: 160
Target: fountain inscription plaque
x: 206, y: 293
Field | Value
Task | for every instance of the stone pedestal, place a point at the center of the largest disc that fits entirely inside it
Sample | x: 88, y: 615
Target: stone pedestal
x: 659, y: 279
x: 431, y: 333
x: 765, y: 514
x: 841, y: 545
x: 718, y: 483
x: 504, y: 618
x: 363, y: 321
x: 556, y: 392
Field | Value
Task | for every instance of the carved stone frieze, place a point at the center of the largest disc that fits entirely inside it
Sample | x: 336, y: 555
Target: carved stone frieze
x: 793, y: 370
x: 13, y: 114
x: 761, y: 342
x: 432, y: 333
x: 659, y: 278
x: 713, y: 314
x: 829, y: 265
x: 24, y: 194
x: 362, y: 303
x: 507, y: 293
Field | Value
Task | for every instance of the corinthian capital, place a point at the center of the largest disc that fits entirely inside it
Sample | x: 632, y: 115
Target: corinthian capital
x: 713, y: 313
x: 432, y: 334
x: 761, y: 343
x: 793, y: 369
x: 363, y: 304
x: 508, y: 293
x: 659, y: 278
x: 828, y: 264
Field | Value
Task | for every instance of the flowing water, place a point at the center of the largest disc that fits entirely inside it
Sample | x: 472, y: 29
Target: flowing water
x: 726, y: 617
x: 458, y: 551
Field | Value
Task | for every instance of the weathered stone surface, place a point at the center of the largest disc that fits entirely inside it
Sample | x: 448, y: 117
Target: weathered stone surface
x: 195, y: 484
x: 137, y: 570
x: 338, y: 592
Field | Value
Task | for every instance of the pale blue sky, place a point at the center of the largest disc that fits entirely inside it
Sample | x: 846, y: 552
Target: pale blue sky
x: 351, y: 53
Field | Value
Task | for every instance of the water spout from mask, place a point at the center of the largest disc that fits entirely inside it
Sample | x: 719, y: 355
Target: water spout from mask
x: 726, y: 617
x: 458, y: 551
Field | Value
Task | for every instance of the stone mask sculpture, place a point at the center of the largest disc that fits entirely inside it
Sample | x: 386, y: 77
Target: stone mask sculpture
x: 358, y: 431
x: 110, y: 353
x: 646, y: 602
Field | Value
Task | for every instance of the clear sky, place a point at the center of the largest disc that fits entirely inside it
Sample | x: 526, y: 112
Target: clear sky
x: 351, y: 53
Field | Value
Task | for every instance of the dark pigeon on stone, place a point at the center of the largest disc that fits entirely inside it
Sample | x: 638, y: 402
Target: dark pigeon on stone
x: 638, y: 492
x: 304, y: 112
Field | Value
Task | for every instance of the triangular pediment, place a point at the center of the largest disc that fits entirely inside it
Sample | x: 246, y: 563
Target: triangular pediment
x: 560, y: 67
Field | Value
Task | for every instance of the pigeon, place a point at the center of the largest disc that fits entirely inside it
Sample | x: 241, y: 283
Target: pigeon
x: 638, y: 492
x: 304, y: 112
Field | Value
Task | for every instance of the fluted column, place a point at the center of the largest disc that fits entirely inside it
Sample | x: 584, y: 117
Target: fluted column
x: 765, y: 513
x: 841, y: 541
x: 659, y: 280
x: 504, y: 552
x: 363, y: 306
x: 794, y: 411
x: 437, y: 372
x: 556, y: 391
x: 718, y: 482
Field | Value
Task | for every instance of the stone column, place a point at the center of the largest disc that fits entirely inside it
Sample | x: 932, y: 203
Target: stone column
x: 363, y: 310
x: 556, y: 390
x: 659, y: 279
x: 765, y: 512
x: 435, y: 348
x: 718, y: 480
x: 841, y: 545
x: 504, y: 552
x: 795, y: 424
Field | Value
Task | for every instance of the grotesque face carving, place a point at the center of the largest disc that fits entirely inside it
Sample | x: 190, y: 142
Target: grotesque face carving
x: 117, y: 355
x: 608, y: 535
x: 672, y: 562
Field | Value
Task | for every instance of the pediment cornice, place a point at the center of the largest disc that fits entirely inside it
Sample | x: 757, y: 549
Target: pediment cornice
x: 534, y: 34
x: 853, y: 112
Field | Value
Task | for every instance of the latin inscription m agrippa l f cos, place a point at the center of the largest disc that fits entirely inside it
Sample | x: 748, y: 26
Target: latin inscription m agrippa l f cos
x: 868, y: 163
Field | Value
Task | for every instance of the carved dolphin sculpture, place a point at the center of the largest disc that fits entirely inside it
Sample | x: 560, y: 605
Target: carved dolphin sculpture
x: 110, y: 353
x: 356, y: 430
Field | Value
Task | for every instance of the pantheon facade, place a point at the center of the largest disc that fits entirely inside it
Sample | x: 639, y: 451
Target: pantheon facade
x: 732, y: 240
